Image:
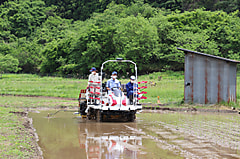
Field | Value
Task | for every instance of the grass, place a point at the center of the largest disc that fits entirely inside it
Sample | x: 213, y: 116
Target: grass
x: 169, y: 88
x: 14, y: 139
x: 169, y: 91
x: 35, y: 102
x: 27, y: 84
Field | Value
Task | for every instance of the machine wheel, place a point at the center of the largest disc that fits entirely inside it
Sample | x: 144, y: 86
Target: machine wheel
x: 83, y: 107
x: 131, y: 117
x: 89, y: 117
x: 98, y: 116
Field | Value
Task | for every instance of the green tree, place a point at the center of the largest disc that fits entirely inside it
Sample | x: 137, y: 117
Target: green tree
x: 82, y: 10
x: 93, y: 47
x: 8, y: 64
x: 219, y: 26
x: 166, y: 4
x: 28, y: 55
x: 53, y: 28
x: 227, y: 5
x: 56, y: 56
x: 5, y: 48
x: 22, y: 17
x: 136, y: 39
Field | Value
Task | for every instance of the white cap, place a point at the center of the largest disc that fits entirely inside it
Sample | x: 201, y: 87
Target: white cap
x: 132, y: 78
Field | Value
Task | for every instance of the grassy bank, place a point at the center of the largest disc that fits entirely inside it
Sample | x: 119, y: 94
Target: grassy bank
x: 169, y: 86
x: 27, y: 84
x: 15, y: 140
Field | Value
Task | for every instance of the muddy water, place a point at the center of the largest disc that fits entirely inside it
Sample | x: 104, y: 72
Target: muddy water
x: 153, y: 135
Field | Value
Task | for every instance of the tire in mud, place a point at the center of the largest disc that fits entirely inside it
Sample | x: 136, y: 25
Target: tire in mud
x: 131, y: 117
x: 82, y: 108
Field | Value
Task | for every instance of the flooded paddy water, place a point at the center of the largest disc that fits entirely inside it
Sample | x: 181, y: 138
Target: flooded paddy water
x: 152, y: 135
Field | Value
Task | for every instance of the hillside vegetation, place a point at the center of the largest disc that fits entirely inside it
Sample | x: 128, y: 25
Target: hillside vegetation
x: 70, y: 37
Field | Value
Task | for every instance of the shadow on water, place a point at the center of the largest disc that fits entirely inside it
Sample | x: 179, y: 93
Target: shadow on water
x: 65, y: 136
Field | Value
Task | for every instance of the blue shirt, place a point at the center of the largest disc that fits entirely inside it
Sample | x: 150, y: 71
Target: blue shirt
x: 129, y: 87
x: 113, y: 83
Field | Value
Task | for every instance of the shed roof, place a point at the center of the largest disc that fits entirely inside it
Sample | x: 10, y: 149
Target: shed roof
x: 216, y: 57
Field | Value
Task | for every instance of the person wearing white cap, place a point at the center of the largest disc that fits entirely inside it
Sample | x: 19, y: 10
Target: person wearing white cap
x: 129, y: 87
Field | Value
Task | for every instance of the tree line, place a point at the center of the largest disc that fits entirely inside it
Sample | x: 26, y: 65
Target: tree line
x: 70, y: 37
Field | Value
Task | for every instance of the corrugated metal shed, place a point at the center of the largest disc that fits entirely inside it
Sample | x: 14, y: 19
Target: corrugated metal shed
x: 209, y: 79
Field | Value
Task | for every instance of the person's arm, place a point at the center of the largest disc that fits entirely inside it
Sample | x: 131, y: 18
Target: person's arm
x: 127, y: 87
x: 89, y: 79
x: 108, y: 85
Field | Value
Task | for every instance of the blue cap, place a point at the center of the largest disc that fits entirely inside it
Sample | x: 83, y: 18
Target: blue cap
x: 114, y: 72
x: 93, y: 69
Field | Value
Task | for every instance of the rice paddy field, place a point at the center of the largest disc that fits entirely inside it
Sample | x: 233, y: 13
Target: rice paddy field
x: 168, y: 86
x: 32, y: 91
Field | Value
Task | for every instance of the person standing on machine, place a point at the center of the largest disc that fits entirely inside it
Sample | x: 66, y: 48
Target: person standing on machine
x: 94, y: 84
x: 93, y: 77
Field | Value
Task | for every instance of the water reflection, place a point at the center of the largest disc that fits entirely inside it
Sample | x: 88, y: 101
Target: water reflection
x: 170, y: 135
x: 64, y: 136
x: 109, y: 140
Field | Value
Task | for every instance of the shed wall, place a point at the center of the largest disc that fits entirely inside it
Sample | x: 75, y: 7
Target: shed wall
x: 209, y: 80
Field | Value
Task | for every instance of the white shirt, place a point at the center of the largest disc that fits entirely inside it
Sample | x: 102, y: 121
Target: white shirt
x: 94, y: 78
